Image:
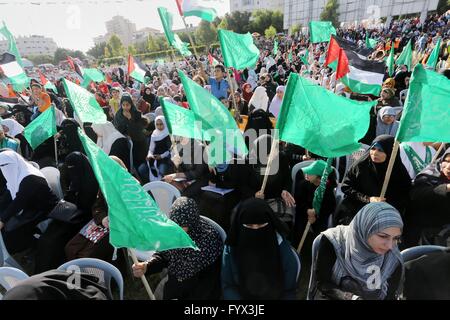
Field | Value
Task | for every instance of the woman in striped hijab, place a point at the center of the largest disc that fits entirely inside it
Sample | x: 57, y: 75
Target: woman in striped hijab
x: 362, y: 260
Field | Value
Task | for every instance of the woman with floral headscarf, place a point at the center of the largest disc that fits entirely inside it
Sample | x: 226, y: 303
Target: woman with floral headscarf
x: 192, y: 274
x: 361, y: 261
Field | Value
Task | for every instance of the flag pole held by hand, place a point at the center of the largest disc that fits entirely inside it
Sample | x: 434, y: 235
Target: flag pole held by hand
x: 143, y: 278
x: 305, y: 233
x: 389, y: 168
x: 269, y: 163
x: 436, y: 156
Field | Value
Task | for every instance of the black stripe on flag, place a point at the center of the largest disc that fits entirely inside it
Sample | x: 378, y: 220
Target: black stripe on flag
x: 7, y: 58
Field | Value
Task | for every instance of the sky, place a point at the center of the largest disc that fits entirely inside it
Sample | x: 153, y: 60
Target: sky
x: 74, y: 23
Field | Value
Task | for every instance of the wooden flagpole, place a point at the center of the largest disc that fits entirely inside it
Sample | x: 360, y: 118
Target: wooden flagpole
x: 436, y: 156
x: 272, y: 154
x: 389, y: 168
x: 305, y: 233
x: 190, y: 38
x: 143, y: 278
x: 237, y: 114
x: 56, y: 151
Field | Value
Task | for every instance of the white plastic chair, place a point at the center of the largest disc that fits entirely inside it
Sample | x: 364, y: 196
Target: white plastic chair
x: 295, y: 170
x: 5, y: 258
x: 10, y: 277
x: 312, y: 279
x: 34, y: 164
x: 164, y: 194
x: 52, y: 175
x: 99, y: 268
x: 403, y: 94
x: 415, y: 252
x: 297, y: 259
x: 216, y: 226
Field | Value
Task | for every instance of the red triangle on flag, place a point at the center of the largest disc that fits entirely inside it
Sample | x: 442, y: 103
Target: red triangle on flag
x: 130, y: 64
x: 333, y: 51
x: 180, y: 6
x: 43, y: 78
x: 343, y: 65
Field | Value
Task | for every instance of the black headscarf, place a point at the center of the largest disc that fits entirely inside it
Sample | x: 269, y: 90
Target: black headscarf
x: 398, y: 171
x: 257, y: 252
x: 83, y: 186
x: 185, y: 263
x: 70, y: 130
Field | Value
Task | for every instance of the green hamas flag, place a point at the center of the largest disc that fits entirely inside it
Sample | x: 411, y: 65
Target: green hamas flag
x: 84, y: 104
x: 433, y: 59
x: 320, y: 191
x: 181, y: 122
x: 321, y: 31
x: 275, y: 48
x: 305, y: 58
x: 238, y: 50
x: 370, y: 43
x: 321, y: 121
x: 390, y: 62
x: 172, y: 38
x: 135, y: 219
x: 426, y: 114
x: 216, y: 120
x: 406, y: 56
x: 41, y: 128
x: 94, y: 75
x: 12, y: 46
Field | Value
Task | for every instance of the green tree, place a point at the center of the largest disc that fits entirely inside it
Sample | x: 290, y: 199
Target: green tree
x: 330, y: 13
x: 161, y: 43
x: 206, y: 33
x: 98, y: 50
x: 184, y: 36
x: 443, y: 6
x: 239, y: 21
x: 263, y: 19
x: 131, y: 50
x: 151, y: 44
x: 141, y: 47
x: 217, y: 20
x: 62, y: 53
x: 223, y: 24
x: 270, y: 32
x: 116, y: 47
x: 108, y: 52
x: 295, y: 28
x: 40, y: 59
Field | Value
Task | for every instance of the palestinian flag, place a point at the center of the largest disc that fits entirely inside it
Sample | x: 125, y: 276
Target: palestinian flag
x: 212, y: 61
x: 364, y: 76
x: 11, y: 69
x: 47, y: 84
x: 136, y: 69
x: 337, y: 59
x: 75, y: 66
x: 204, y: 9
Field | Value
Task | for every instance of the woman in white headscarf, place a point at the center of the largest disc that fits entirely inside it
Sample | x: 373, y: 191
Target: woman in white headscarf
x: 112, y: 141
x: 386, y: 123
x: 275, y: 105
x: 26, y: 191
x: 259, y: 100
x: 158, y: 157
x: 258, y: 118
x: 252, y: 78
x: 362, y: 260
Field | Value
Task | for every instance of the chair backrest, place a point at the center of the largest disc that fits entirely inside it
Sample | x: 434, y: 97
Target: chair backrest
x: 353, y: 157
x: 130, y: 145
x: 403, y: 95
x: 216, y: 226
x: 5, y: 257
x: 297, y: 259
x: 312, y: 278
x: 52, y: 175
x: 415, y: 252
x: 34, y: 164
x: 10, y: 277
x: 99, y: 268
x: 295, y: 170
x: 163, y: 193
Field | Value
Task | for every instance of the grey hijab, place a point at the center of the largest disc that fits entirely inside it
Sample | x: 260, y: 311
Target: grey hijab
x: 355, y: 258
x: 382, y: 128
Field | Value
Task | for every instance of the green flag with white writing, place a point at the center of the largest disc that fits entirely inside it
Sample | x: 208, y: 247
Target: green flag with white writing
x: 135, y: 221
x: 41, y: 128
x: 84, y: 103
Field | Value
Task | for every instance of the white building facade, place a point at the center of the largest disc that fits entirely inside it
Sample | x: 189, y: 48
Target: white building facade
x: 253, y: 5
x: 32, y: 45
x: 304, y: 11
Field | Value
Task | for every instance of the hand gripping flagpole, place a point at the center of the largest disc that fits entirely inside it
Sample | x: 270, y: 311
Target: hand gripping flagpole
x: 273, y: 152
x: 436, y: 156
x: 143, y: 278
x: 389, y: 168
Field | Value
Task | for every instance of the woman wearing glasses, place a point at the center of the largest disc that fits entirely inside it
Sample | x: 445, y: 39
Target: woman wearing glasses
x: 364, y: 181
x: 361, y: 261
